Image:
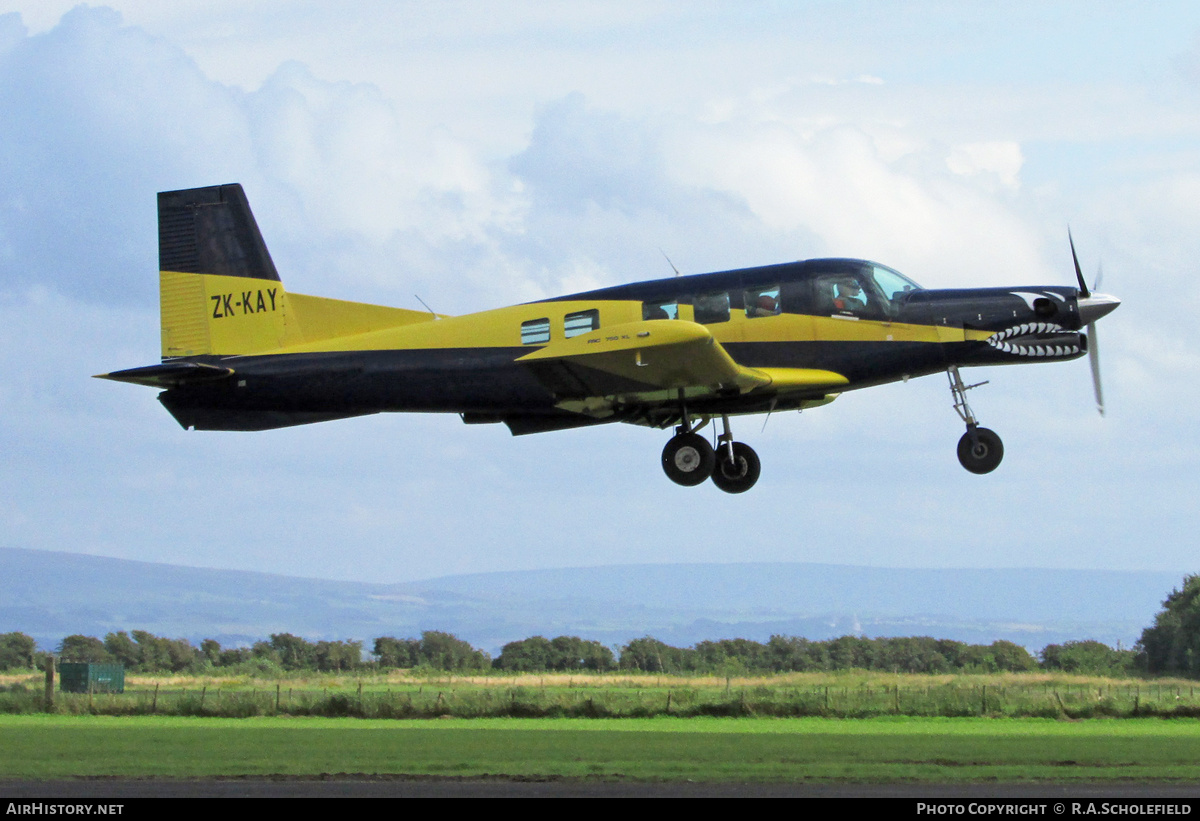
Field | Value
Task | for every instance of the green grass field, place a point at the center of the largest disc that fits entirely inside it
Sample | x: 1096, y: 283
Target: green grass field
x: 710, y: 749
x: 847, y: 694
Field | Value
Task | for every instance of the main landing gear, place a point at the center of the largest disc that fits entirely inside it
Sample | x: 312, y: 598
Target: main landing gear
x: 737, y: 466
x: 688, y: 459
x: 979, y: 450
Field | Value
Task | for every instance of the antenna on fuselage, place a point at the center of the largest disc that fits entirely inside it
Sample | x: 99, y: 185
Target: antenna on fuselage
x: 770, y: 411
x: 435, y: 316
x: 668, y: 259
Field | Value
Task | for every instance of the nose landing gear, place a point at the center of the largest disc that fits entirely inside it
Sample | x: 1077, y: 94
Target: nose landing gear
x: 980, y: 449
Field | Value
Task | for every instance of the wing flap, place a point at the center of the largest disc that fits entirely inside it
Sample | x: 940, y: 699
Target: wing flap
x: 793, y: 379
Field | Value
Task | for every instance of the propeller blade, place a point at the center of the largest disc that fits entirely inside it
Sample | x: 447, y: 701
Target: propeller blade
x: 1083, y: 288
x: 1094, y: 359
x: 1090, y: 309
x: 1099, y: 277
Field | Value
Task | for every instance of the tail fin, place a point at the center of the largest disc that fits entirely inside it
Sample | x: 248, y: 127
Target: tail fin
x: 219, y: 292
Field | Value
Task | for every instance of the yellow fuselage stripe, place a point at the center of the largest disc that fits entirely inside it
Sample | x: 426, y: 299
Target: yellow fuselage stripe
x: 501, y: 328
x: 245, y: 316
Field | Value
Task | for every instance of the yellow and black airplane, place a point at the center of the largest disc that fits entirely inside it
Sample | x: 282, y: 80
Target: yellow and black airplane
x: 241, y: 353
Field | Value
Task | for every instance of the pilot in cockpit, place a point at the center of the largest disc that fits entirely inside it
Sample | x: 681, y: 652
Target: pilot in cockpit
x: 849, y: 297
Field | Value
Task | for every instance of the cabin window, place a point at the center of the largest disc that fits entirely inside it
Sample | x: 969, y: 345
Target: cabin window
x: 797, y: 297
x: 762, y: 302
x: 581, y: 322
x: 710, y: 308
x: 660, y: 310
x: 535, y: 331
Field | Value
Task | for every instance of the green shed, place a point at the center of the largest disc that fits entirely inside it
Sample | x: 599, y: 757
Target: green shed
x: 85, y: 677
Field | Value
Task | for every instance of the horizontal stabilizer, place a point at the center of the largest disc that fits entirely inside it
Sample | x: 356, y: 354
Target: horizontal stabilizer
x: 169, y: 374
x: 194, y: 416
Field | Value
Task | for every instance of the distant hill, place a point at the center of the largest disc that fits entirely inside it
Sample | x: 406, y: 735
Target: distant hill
x: 49, y: 595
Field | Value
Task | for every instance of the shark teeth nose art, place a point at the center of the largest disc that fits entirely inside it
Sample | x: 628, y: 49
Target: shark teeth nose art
x: 1037, y: 339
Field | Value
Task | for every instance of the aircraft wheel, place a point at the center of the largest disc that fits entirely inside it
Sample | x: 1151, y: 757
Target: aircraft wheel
x: 688, y: 459
x: 982, y: 456
x: 739, y: 474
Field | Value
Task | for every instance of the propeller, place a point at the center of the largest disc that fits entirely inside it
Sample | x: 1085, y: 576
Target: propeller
x: 1092, y: 307
x: 1083, y: 288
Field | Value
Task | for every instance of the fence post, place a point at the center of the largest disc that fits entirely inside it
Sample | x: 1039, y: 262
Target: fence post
x: 49, y: 700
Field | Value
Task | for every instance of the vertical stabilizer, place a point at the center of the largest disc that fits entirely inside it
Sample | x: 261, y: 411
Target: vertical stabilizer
x: 219, y: 292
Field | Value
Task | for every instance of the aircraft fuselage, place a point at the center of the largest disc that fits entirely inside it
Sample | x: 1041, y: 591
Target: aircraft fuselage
x: 882, y: 338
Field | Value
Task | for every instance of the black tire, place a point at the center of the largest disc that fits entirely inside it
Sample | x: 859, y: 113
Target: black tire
x: 740, y: 474
x: 981, y: 453
x: 688, y: 459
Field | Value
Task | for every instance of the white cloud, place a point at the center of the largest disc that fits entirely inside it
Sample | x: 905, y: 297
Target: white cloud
x: 836, y: 183
x: 98, y: 117
x: 1002, y: 159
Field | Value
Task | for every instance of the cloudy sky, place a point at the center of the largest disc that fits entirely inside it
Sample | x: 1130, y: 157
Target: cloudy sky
x: 484, y: 153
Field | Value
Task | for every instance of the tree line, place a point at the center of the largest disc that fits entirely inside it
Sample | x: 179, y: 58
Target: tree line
x: 1170, y: 646
x: 143, y: 652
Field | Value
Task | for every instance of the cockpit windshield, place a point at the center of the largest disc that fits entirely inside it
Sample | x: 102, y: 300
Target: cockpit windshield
x: 892, y: 283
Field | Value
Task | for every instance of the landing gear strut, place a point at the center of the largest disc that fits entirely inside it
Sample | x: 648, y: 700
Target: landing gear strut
x: 979, y: 450
x: 737, y: 464
x: 688, y: 459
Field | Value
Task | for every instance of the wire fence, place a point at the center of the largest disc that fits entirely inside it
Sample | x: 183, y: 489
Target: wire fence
x: 468, y: 700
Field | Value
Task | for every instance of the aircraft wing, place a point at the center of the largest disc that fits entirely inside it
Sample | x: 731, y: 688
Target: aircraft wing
x: 658, y: 354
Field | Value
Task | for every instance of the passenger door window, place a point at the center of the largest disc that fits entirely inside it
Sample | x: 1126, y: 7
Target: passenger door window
x: 535, y: 331
x: 581, y: 322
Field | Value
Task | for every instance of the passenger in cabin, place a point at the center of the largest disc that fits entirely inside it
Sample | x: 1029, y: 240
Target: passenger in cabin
x: 762, y: 304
